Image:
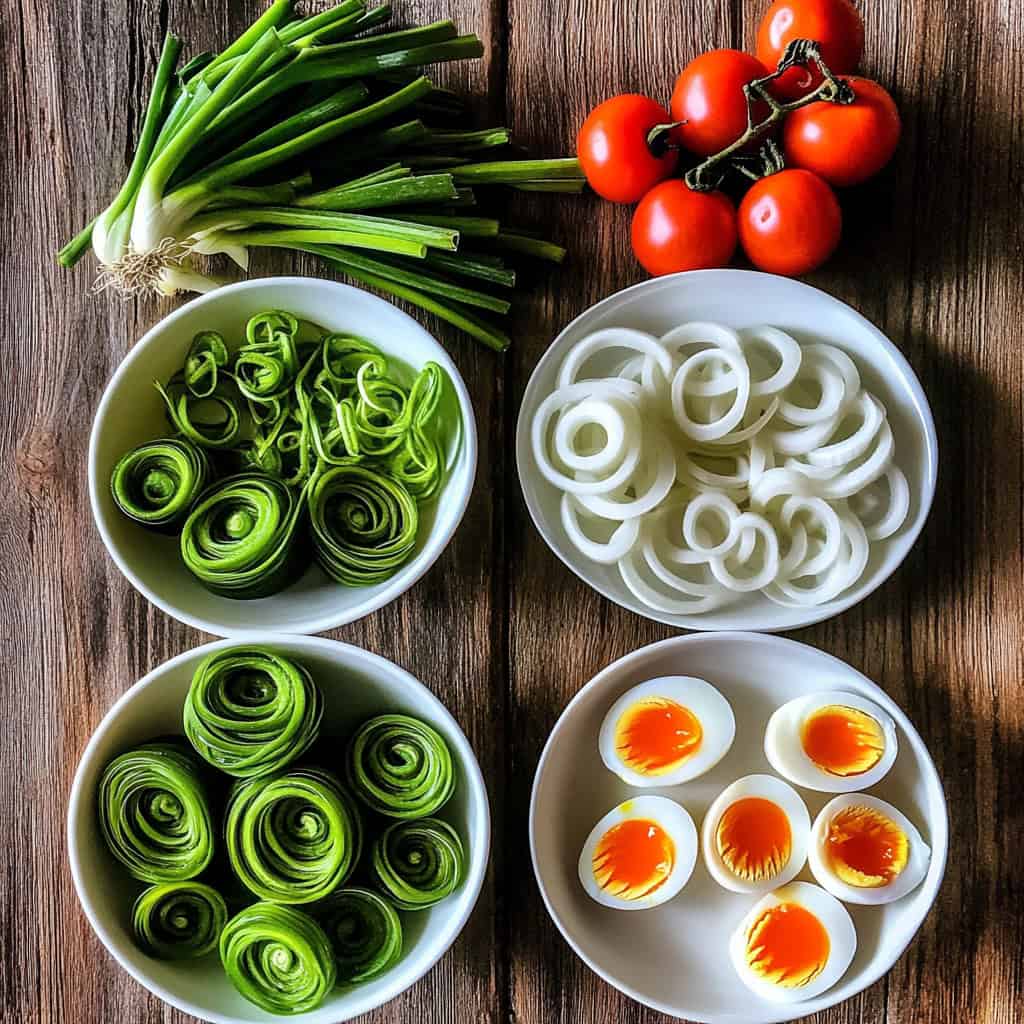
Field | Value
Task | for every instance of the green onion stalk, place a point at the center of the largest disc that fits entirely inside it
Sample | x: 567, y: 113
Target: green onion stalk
x: 179, y: 920
x: 318, y: 134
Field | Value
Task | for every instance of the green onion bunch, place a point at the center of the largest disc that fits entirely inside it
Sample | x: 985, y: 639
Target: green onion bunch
x: 320, y: 134
x: 256, y: 851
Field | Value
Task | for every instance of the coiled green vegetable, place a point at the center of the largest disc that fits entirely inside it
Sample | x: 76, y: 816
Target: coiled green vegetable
x: 364, y: 931
x: 241, y: 539
x: 157, y: 483
x: 363, y: 524
x: 179, y: 920
x: 294, y: 837
x: 250, y: 711
x: 400, y: 767
x: 418, y: 863
x: 154, y: 813
x: 278, y: 958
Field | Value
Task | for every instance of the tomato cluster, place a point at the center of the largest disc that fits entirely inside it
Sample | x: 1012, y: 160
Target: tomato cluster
x: 789, y: 221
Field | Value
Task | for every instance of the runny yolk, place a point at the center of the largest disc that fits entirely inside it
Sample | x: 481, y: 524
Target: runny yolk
x: 842, y: 741
x: 655, y: 735
x: 633, y: 859
x: 754, y: 839
x: 787, y: 945
x: 865, y: 848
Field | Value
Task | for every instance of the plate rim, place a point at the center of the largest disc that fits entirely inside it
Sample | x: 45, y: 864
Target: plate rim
x: 938, y: 826
x: 707, y: 622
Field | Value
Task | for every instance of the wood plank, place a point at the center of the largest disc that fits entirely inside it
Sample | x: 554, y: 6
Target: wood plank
x: 931, y: 254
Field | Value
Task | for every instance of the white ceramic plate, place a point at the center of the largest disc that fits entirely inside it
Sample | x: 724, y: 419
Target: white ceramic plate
x: 131, y: 412
x: 356, y: 685
x: 744, y: 298
x: 675, y: 958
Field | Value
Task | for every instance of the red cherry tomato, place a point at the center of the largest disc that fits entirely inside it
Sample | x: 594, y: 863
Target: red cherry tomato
x: 709, y: 98
x: 675, y: 228
x: 834, y: 24
x: 844, y: 144
x: 790, y: 222
x: 613, y: 150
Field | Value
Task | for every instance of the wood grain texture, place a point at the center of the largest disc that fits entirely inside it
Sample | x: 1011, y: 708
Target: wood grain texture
x: 504, y: 634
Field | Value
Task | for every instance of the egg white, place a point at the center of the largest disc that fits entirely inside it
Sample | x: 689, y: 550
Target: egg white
x: 908, y: 879
x: 792, y: 805
x: 837, y: 922
x: 785, y: 752
x: 679, y: 826
x: 708, y: 706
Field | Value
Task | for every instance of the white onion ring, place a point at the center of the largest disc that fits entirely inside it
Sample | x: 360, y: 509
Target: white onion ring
x: 612, y: 338
x: 790, y: 357
x: 723, y: 424
x: 623, y: 537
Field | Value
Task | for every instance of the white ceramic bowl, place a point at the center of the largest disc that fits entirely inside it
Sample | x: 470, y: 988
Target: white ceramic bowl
x: 131, y: 412
x: 355, y: 684
x: 675, y: 958
x: 744, y: 298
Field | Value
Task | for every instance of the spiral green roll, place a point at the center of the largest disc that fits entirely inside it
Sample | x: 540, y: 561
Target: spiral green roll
x: 241, y: 539
x: 154, y: 813
x: 157, y: 483
x: 399, y: 767
x: 179, y: 920
x: 293, y: 837
x: 250, y: 711
x: 418, y: 863
x: 363, y: 524
x: 364, y: 931
x: 278, y: 958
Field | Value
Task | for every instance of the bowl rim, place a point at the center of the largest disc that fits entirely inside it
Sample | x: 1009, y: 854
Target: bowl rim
x: 938, y: 825
x: 812, y: 615
x: 478, y: 853
x: 403, y: 580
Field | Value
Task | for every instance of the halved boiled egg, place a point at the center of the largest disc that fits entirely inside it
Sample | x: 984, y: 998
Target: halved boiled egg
x: 640, y: 854
x: 754, y: 836
x: 794, y: 943
x: 666, y: 731
x: 833, y: 742
x: 863, y: 850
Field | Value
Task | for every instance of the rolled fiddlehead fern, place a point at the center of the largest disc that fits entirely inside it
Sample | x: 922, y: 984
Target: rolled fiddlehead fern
x: 250, y: 711
x: 418, y: 863
x: 364, y: 931
x: 157, y: 483
x: 363, y: 524
x: 179, y: 920
x: 400, y: 767
x: 154, y: 813
x: 293, y: 837
x: 278, y: 958
x: 241, y: 539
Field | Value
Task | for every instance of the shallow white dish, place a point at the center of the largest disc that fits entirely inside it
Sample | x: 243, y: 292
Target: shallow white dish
x: 131, y: 412
x: 355, y: 684
x: 744, y: 298
x: 675, y: 958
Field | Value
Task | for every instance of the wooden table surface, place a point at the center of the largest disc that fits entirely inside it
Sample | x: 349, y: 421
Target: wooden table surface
x: 933, y: 254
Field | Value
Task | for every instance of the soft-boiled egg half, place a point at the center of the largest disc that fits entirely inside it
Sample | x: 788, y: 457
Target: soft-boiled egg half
x: 833, y: 742
x: 794, y: 943
x: 640, y: 854
x: 666, y: 731
x: 754, y: 836
x: 863, y: 850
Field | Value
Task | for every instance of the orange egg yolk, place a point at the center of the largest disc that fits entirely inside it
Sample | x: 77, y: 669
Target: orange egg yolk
x: 754, y: 839
x: 633, y: 859
x: 656, y: 735
x: 865, y: 848
x: 842, y: 741
x: 787, y: 945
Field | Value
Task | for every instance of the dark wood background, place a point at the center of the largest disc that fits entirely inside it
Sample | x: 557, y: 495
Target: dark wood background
x: 500, y: 630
